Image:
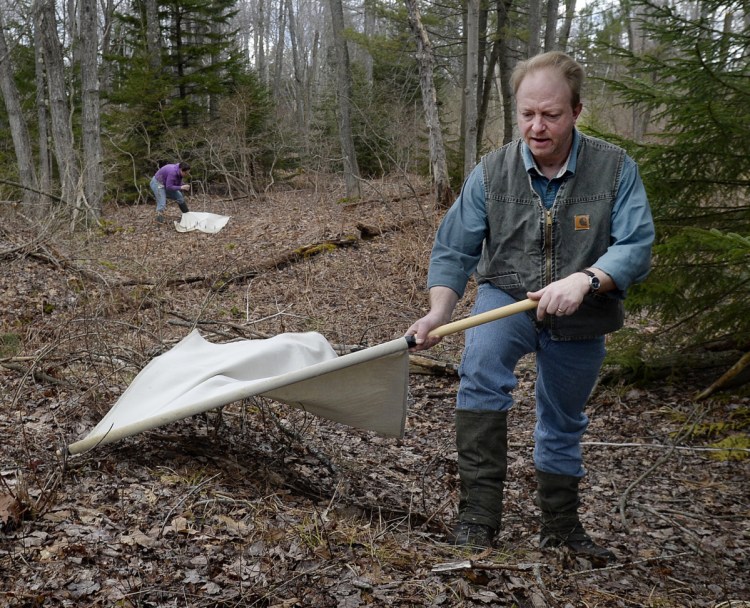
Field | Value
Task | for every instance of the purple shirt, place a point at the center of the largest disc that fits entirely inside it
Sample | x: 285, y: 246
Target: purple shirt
x: 170, y: 177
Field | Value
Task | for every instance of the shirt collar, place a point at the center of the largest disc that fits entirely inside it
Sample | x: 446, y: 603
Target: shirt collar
x: 569, y: 168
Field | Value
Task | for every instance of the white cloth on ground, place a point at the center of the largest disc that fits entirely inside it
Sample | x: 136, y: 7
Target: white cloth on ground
x: 199, y: 220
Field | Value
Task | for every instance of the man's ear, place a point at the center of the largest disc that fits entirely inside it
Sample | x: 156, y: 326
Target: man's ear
x: 577, y: 111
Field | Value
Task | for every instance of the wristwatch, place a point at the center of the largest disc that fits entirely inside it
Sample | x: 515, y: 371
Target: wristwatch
x: 594, y: 282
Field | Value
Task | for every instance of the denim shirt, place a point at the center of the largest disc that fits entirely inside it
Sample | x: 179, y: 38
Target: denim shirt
x: 459, y: 240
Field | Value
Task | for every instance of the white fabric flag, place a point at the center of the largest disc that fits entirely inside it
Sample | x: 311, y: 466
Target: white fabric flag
x: 198, y: 220
x: 366, y: 389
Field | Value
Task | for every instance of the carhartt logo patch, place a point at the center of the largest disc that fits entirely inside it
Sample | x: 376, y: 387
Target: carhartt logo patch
x: 582, y: 222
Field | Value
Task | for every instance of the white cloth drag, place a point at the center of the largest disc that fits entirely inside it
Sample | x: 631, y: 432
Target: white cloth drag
x: 366, y: 389
x: 198, y: 220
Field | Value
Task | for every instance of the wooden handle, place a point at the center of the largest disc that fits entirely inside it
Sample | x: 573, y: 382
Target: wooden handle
x: 485, y: 317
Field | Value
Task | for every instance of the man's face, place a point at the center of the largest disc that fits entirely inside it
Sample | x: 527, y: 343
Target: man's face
x: 545, y: 116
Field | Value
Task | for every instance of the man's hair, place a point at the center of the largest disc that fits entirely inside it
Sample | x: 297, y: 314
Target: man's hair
x: 558, y: 61
x: 184, y: 166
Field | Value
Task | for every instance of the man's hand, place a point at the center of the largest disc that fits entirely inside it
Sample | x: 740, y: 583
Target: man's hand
x: 563, y: 297
x: 185, y: 187
x: 442, y: 302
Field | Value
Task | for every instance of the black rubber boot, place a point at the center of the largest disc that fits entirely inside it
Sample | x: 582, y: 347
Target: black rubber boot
x: 482, y: 443
x: 183, y: 207
x: 557, y: 497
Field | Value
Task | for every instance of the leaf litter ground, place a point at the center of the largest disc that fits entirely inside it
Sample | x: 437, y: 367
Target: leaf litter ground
x: 261, y: 505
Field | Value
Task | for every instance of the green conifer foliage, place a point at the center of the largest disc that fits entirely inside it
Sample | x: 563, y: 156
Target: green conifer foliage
x: 694, y: 79
x: 167, y: 113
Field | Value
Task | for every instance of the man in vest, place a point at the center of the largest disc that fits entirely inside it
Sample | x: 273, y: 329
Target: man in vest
x: 563, y: 219
x: 167, y: 183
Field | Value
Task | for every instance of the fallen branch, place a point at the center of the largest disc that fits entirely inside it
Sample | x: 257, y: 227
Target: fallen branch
x: 468, y: 564
x: 726, y: 380
x: 629, y: 564
x: 660, y: 446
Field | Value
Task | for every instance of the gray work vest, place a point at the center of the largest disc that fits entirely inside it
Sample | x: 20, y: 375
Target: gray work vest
x: 528, y: 246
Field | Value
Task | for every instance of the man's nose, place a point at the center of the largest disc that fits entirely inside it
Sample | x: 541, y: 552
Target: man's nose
x: 538, y: 124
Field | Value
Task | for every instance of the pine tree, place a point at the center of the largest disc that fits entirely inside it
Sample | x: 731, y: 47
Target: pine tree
x: 159, y: 108
x: 694, y: 79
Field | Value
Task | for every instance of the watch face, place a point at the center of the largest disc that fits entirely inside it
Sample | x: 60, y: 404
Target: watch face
x: 595, y: 283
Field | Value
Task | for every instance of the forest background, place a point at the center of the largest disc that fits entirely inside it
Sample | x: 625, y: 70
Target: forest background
x: 360, y: 100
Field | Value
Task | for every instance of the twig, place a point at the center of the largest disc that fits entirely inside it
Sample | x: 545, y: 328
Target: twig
x: 672, y: 522
x: 647, y: 472
x: 628, y: 564
x: 182, y: 500
x: 660, y: 446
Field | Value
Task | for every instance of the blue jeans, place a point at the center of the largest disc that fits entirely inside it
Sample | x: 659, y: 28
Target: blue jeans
x: 162, y: 194
x: 566, y: 375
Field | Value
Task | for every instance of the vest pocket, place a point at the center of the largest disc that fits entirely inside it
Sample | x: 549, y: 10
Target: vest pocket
x: 506, y: 281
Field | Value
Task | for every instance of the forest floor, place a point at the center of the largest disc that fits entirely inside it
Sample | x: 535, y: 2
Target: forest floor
x: 263, y: 505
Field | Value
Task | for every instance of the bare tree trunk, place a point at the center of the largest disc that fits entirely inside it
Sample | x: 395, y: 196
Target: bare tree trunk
x: 105, y: 72
x: 344, y: 82
x: 470, y: 90
x: 153, y: 35
x: 570, y: 10
x: 93, y: 178
x: 369, y: 27
x: 550, y: 28
x: 484, y: 86
x: 276, y: 83
x: 426, y: 59
x: 45, y: 155
x: 299, y: 91
x: 62, y: 134
x: 311, y: 81
x: 260, y: 42
x: 19, y: 131
x: 535, y: 26
x: 504, y: 63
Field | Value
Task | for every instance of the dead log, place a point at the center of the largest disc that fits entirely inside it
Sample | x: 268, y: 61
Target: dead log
x: 431, y: 367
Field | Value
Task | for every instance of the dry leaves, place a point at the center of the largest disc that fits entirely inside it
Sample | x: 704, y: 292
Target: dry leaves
x: 264, y: 506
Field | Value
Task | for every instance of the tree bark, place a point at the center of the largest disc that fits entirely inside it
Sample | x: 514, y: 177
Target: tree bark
x: 570, y: 9
x: 550, y: 28
x: 62, y: 134
x: 535, y: 26
x: 153, y: 35
x: 45, y: 155
x: 344, y: 88
x: 18, y: 129
x: 505, y: 68
x: 470, y: 90
x: 299, y: 89
x: 426, y: 60
x: 93, y: 177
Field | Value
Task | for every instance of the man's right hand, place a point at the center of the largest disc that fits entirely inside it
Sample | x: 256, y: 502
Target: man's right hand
x: 443, y: 300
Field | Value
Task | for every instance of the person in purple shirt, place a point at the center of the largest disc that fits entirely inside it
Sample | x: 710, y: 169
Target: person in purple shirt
x: 560, y: 218
x: 167, y: 183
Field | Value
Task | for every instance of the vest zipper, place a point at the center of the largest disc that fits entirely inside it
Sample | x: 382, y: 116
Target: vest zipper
x: 548, y: 246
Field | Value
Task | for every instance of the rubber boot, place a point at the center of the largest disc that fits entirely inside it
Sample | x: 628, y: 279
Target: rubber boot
x: 557, y: 497
x: 183, y: 207
x: 482, y: 443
